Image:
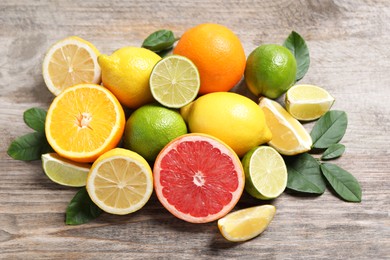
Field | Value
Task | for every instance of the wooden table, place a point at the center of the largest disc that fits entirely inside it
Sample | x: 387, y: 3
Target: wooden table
x: 349, y: 46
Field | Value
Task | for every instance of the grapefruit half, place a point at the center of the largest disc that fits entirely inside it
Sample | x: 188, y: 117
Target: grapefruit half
x: 198, y: 178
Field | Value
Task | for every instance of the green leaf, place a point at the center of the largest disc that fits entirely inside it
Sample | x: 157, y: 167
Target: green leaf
x: 329, y: 129
x: 333, y: 151
x: 159, y: 41
x: 35, y: 118
x: 304, y: 174
x: 343, y: 183
x: 29, y: 147
x: 81, y: 209
x: 297, y: 45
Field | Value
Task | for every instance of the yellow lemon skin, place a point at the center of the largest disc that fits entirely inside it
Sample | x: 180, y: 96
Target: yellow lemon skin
x: 233, y: 118
x: 126, y: 74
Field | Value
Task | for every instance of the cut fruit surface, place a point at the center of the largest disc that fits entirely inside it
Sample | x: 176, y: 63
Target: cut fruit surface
x: 83, y: 122
x: 120, y: 182
x: 265, y: 173
x: 69, y: 62
x: 247, y: 223
x: 289, y: 137
x: 198, y: 178
x: 308, y: 102
x: 174, y: 81
x: 64, y: 171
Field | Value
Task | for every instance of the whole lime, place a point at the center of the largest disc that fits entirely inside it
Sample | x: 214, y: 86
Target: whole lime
x: 270, y: 70
x: 150, y: 128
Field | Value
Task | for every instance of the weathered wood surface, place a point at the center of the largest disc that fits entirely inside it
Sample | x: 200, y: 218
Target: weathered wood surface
x: 349, y: 45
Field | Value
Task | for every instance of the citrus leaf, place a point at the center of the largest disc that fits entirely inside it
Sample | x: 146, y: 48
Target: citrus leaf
x: 35, y: 118
x: 304, y: 174
x: 159, y: 40
x: 329, y: 129
x: 333, y: 151
x: 81, y: 209
x: 297, y: 45
x: 343, y: 183
x: 29, y: 147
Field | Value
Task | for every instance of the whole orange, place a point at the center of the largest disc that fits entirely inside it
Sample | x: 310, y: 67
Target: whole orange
x: 218, y: 54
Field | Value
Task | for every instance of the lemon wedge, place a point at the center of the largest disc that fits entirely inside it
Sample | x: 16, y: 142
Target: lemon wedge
x: 246, y: 224
x: 308, y: 102
x: 289, y: 137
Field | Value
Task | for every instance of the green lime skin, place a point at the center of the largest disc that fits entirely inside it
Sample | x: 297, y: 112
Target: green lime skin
x: 270, y: 70
x: 150, y: 128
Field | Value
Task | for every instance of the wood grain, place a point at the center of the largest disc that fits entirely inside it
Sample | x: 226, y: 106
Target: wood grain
x: 349, y: 46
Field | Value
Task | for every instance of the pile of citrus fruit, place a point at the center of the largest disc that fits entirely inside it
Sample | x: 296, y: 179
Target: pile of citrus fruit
x: 185, y: 137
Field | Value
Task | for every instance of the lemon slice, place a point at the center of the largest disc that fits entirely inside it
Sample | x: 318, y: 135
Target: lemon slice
x: 120, y: 182
x: 246, y: 223
x: 289, y: 137
x: 308, y: 102
x: 174, y: 81
x: 265, y: 172
x: 69, y: 62
x: 64, y: 171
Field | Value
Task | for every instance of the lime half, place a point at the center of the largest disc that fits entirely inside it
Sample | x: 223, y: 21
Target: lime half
x: 265, y: 172
x: 64, y: 171
x: 174, y: 81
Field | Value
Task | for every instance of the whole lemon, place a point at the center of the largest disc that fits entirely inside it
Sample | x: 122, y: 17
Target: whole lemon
x: 150, y: 128
x: 233, y: 118
x: 270, y: 70
x: 126, y: 74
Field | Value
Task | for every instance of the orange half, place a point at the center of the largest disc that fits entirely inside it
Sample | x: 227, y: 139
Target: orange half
x: 83, y: 122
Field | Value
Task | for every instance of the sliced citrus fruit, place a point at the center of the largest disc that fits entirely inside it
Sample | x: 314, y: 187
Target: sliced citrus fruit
x: 289, y: 137
x: 265, y: 172
x: 246, y: 224
x: 120, y: 182
x: 63, y: 171
x: 174, y: 81
x: 83, y: 122
x: 69, y: 62
x: 198, y: 178
x: 308, y: 102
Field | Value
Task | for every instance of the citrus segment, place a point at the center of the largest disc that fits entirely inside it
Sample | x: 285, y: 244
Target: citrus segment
x: 289, y: 136
x: 63, y: 171
x: 174, y: 81
x: 265, y: 173
x: 83, y: 122
x: 221, y: 61
x: 120, y: 182
x: 69, y: 62
x: 308, y: 102
x: 246, y: 224
x: 235, y: 119
x: 198, y: 178
x: 126, y: 74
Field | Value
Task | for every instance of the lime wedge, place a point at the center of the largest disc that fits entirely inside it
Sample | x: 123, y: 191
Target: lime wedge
x: 246, y: 224
x: 64, y: 171
x: 308, y: 102
x: 265, y: 173
x: 174, y: 81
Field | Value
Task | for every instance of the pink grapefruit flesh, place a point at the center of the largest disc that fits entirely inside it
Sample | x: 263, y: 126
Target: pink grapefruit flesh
x: 198, y: 178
